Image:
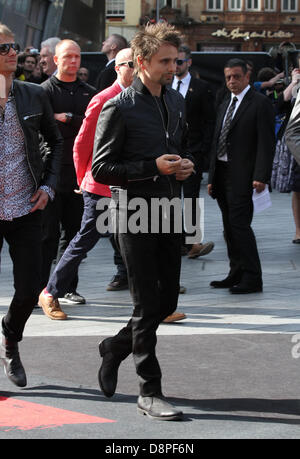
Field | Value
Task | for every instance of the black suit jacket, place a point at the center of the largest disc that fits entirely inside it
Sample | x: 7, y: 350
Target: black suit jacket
x: 107, y: 77
x: 250, y: 143
x: 200, y: 116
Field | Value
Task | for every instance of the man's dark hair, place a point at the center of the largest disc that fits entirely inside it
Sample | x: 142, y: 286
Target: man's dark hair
x: 33, y: 56
x: 185, y: 49
x: 119, y: 41
x: 235, y: 62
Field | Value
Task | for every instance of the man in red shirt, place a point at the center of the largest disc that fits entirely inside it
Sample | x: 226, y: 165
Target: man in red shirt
x: 88, y: 236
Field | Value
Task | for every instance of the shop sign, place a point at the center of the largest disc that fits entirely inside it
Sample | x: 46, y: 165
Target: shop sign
x: 237, y: 33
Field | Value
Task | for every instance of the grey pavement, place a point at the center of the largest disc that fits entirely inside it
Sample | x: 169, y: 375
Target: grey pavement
x: 232, y: 366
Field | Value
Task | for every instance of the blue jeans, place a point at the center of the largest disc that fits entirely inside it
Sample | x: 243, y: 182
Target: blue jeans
x: 84, y: 241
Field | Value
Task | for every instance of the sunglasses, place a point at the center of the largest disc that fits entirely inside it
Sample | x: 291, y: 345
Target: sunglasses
x: 128, y: 63
x: 181, y: 61
x: 5, y: 48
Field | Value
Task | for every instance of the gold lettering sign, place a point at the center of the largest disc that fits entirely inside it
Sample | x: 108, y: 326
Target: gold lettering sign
x: 237, y: 33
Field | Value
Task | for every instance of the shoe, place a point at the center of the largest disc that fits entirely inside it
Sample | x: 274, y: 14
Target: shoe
x: 158, y: 408
x: 51, y: 307
x: 117, y: 283
x: 228, y: 282
x: 108, y: 372
x: 174, y: 317
x: 74, y: 298
x: 244, y: 288
x: 182, y: 289
x: 198, y: 250
x: 296, y: 241
x: 13, y: 368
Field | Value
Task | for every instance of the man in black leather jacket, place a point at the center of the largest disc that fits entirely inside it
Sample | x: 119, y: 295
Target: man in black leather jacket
x: 26, y: 182
x: 139, y: 147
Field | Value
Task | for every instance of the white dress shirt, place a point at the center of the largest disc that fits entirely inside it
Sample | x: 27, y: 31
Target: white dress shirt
x: 185, y: 82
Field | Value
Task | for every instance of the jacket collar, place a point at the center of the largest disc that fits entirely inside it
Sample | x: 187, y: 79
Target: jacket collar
x: 139, y: 86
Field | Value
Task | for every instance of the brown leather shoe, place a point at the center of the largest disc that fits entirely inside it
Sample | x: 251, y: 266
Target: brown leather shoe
x: 174, y: 317
x: 51, y: 307
x: 198, y: 250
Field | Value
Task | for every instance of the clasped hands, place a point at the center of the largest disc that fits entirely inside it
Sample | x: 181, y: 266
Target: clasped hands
x: 174, y: 164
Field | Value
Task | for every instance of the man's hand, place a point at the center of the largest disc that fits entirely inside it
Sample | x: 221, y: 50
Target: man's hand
x: 168, y: 164
x: 210, y: 189
x: 259, y: 186
x: 40, y: 198
x: 62, y: 117
x: 186, y: 169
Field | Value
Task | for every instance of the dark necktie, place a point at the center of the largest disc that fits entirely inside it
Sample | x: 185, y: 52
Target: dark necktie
x: 225, y: 129
x: 178, y: 85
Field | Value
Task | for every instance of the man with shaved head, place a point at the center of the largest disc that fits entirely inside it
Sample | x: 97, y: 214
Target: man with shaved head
x: 111, y: 46
x: 92, y: 191
x: 69, y: 97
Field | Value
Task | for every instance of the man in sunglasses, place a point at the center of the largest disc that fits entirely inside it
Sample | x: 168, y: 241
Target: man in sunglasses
x: 26, y: 182
x: 200, y: 118
x: 92, y: 191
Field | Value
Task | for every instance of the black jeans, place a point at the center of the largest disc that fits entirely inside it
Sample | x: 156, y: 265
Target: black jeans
x: 23, y: 236
x: 153, y: 264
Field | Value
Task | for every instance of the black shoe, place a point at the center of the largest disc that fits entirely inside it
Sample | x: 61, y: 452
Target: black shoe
x: 244, y: 288
x: 13, y: 368
x: 228, y: 282
x: 117, y: 283
x: 158, y: 408
x: 108, y: 372
x: 74, y: 298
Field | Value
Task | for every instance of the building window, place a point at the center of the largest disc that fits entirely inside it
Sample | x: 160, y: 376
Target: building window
x: 270, y: 5
x: 215, y: 5
x: 115, y: 8
x: 234, y: 5
x: 170, y: 3
x: 253, y: 5
x: 289, y: 5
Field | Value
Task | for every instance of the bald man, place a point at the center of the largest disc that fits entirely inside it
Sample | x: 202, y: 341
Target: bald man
x: 92, y: 192
x: 69, y: 97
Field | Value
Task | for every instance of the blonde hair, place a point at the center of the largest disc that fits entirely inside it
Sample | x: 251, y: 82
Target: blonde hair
x: 4, y: 30
x: 147, y: 42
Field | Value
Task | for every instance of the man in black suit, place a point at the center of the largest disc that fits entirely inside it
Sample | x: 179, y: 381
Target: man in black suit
x: 242, y: 157
x: 111, y: 46
x: 201, y: 121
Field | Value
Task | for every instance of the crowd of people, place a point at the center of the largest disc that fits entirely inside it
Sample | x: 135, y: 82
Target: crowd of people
x: 150, y: 129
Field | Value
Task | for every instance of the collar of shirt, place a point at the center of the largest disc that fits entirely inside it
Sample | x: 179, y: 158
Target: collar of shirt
x: 109, y: 62
x: 121, y: 86
x: 239, y: 97
x: 185, y: 82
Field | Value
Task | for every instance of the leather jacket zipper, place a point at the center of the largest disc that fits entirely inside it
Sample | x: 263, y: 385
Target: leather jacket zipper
x: 166, y: 129
x: 26, y: 149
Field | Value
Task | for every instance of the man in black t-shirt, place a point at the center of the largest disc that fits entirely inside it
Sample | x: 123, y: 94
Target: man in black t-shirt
x: 69, y: 98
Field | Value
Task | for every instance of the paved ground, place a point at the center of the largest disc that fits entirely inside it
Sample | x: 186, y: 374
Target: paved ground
x: 232, y: 366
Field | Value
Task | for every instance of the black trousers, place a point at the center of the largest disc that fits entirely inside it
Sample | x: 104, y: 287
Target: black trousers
x: 23, y: 236
x: 237, y: 214
x: 61, y: 222
x: 153, y: 264
x: 191, y: 189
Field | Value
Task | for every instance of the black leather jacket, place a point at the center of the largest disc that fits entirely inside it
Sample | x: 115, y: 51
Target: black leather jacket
x: 132, y: 132
x: 36, y: 117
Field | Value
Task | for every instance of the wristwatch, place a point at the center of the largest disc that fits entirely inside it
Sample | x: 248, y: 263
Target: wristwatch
x: 69, y: 117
